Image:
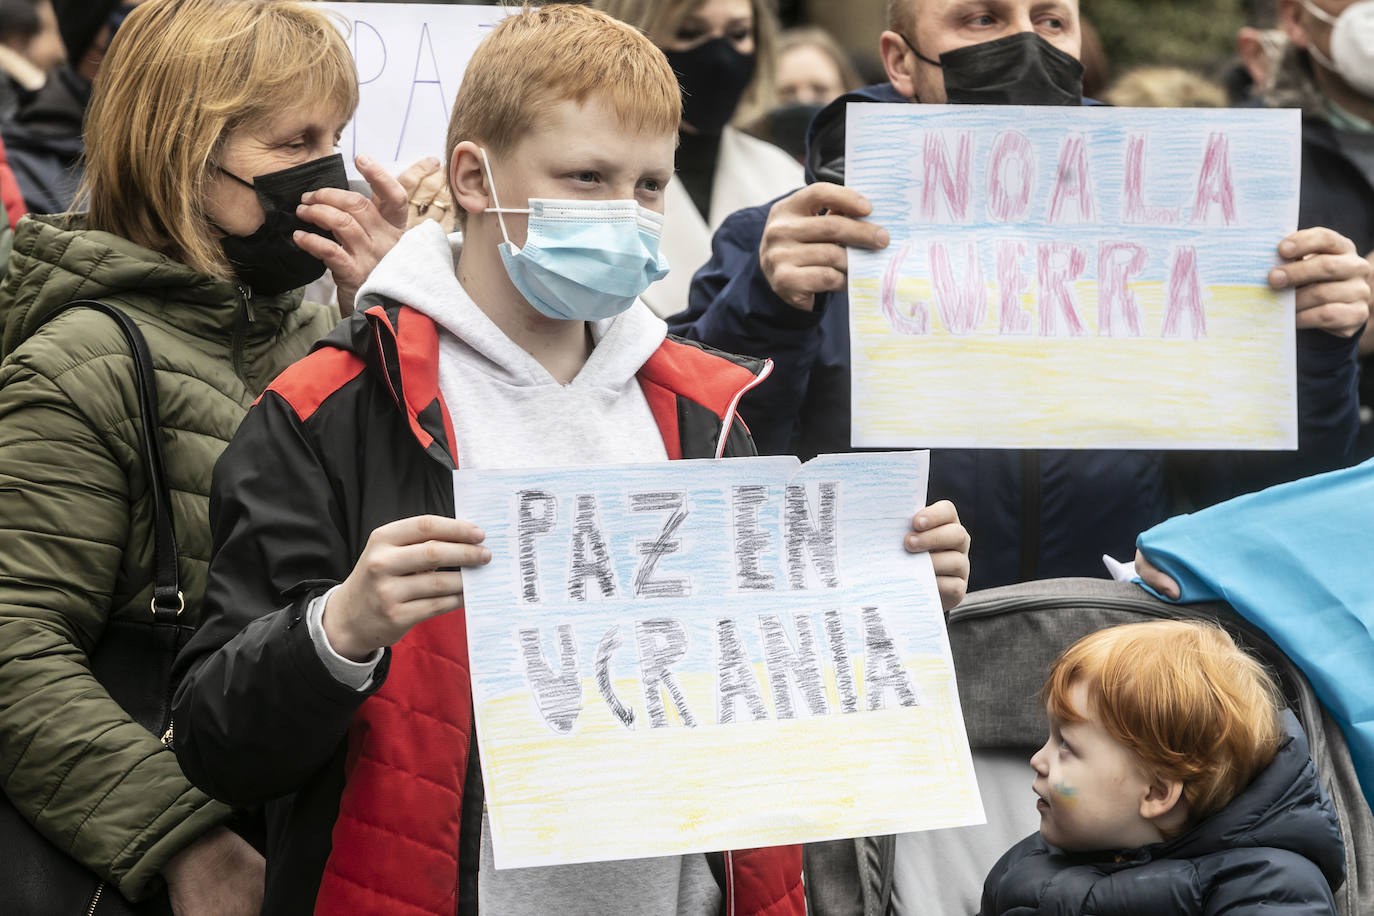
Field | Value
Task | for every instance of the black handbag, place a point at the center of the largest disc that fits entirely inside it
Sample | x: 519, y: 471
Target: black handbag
x: 133, y: 661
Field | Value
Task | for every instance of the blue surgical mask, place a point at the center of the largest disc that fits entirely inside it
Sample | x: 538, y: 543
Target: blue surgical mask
x: 583, y: 260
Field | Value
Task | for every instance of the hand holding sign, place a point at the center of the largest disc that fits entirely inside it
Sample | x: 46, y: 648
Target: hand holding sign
x: 406, y: 574
x: 936, y: 530
x: 1330, y: 278
x: 802, y: 252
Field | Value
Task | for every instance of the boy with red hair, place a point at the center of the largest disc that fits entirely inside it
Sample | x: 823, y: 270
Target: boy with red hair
x: 330, y: 677
x: 1171, y: 783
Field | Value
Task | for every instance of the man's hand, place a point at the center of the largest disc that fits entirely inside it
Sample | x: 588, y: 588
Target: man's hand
x: 219, y: 874
x: 1330, y: 278
x: 364, y: 230
x: 408, y: 573
x: 1367, y: 338
x: 936, y: 530
x: 803, y: 247
x: 1154, y: 578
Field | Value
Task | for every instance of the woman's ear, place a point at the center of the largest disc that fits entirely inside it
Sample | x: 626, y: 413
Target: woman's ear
x: 467, y: 178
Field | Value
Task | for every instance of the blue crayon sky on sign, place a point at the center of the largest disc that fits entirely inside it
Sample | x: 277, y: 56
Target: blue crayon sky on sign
x: 1085, y: 277
x: 684, y: 644
x: 1264, y: 158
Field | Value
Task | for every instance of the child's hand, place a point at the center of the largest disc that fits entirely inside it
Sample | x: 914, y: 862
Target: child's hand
x: 1154, y: 578
x: 936, y: 530
x: 407, y: 574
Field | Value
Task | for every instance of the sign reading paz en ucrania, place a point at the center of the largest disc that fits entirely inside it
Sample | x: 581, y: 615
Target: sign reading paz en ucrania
x: 1072, y: 277
x: 709, y: 655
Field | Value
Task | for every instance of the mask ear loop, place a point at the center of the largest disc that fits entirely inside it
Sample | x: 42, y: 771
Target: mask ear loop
x: 919, y: 55
x: 1317, y: 54
x: 498, y: 209
x: 1317, y: 11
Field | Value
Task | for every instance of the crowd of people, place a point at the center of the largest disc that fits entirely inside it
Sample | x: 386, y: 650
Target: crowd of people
x: 633, y: 248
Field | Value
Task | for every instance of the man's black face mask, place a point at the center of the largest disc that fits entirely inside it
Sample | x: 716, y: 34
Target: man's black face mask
x: 1020, y: 69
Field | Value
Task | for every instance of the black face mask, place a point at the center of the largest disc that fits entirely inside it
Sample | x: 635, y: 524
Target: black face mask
x: 268, y: 261
x: 713, y: 77
x: 786, y: 125
x: 1020, y: 69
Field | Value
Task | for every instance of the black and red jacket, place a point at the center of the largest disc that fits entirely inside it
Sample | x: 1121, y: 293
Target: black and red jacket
x: 364, y: 790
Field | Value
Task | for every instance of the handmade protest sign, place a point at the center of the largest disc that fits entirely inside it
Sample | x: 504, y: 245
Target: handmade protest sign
x: 410, y: 59
x: 709, y: 655
x: 1072, y: 277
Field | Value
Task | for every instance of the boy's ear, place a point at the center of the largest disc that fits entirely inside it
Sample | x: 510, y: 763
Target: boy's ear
x: 1163, y: 801
x: 467, y: 179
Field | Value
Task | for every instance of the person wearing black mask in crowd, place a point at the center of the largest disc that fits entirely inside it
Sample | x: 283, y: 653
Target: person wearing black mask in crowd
x: 193, y: 232
x: 776, y: 286
x: 724, y: 55
x: 813, y: 71
x: 43, y: 137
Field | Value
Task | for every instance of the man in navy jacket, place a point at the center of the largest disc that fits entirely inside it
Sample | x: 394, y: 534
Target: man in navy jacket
x: 775, y: 286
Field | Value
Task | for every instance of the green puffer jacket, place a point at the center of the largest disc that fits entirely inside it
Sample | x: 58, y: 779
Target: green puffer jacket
x: 75, y: 519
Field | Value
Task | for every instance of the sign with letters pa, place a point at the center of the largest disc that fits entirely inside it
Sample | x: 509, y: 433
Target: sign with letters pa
x: 1073, y: 277
x: 709, y: 655
x: 410, y: 59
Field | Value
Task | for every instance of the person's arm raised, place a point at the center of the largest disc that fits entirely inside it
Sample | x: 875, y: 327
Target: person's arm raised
x: 802, y: 252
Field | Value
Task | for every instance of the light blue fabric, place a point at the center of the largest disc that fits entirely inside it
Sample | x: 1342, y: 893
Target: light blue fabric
x: 1296, y: 560
x: 585, y: 260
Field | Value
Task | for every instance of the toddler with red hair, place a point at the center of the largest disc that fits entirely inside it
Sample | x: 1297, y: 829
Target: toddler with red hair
x: 1172, y: 782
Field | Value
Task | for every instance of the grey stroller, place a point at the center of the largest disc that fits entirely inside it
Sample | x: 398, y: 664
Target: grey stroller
x: 1004, y: 641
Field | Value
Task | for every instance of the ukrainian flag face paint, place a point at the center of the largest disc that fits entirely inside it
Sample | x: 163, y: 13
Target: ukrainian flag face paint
x: 1089, y: 786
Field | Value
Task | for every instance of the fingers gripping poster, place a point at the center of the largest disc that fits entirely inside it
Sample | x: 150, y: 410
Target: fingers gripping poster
x: 1072, y: 277
x: 709, y: 655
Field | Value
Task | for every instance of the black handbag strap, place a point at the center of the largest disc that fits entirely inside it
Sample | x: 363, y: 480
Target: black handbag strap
x: 168, y: 600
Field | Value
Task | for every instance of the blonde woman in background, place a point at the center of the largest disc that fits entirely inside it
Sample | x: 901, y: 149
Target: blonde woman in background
x: 1164, y: 87
x: 724, y: 53
x: 812, y: 68
x: 210, y: 122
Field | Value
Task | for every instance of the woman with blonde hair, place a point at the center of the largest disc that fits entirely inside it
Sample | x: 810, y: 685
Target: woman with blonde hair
x: 211, y: 122
x: 813, y: 68
x: 724, y: 53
